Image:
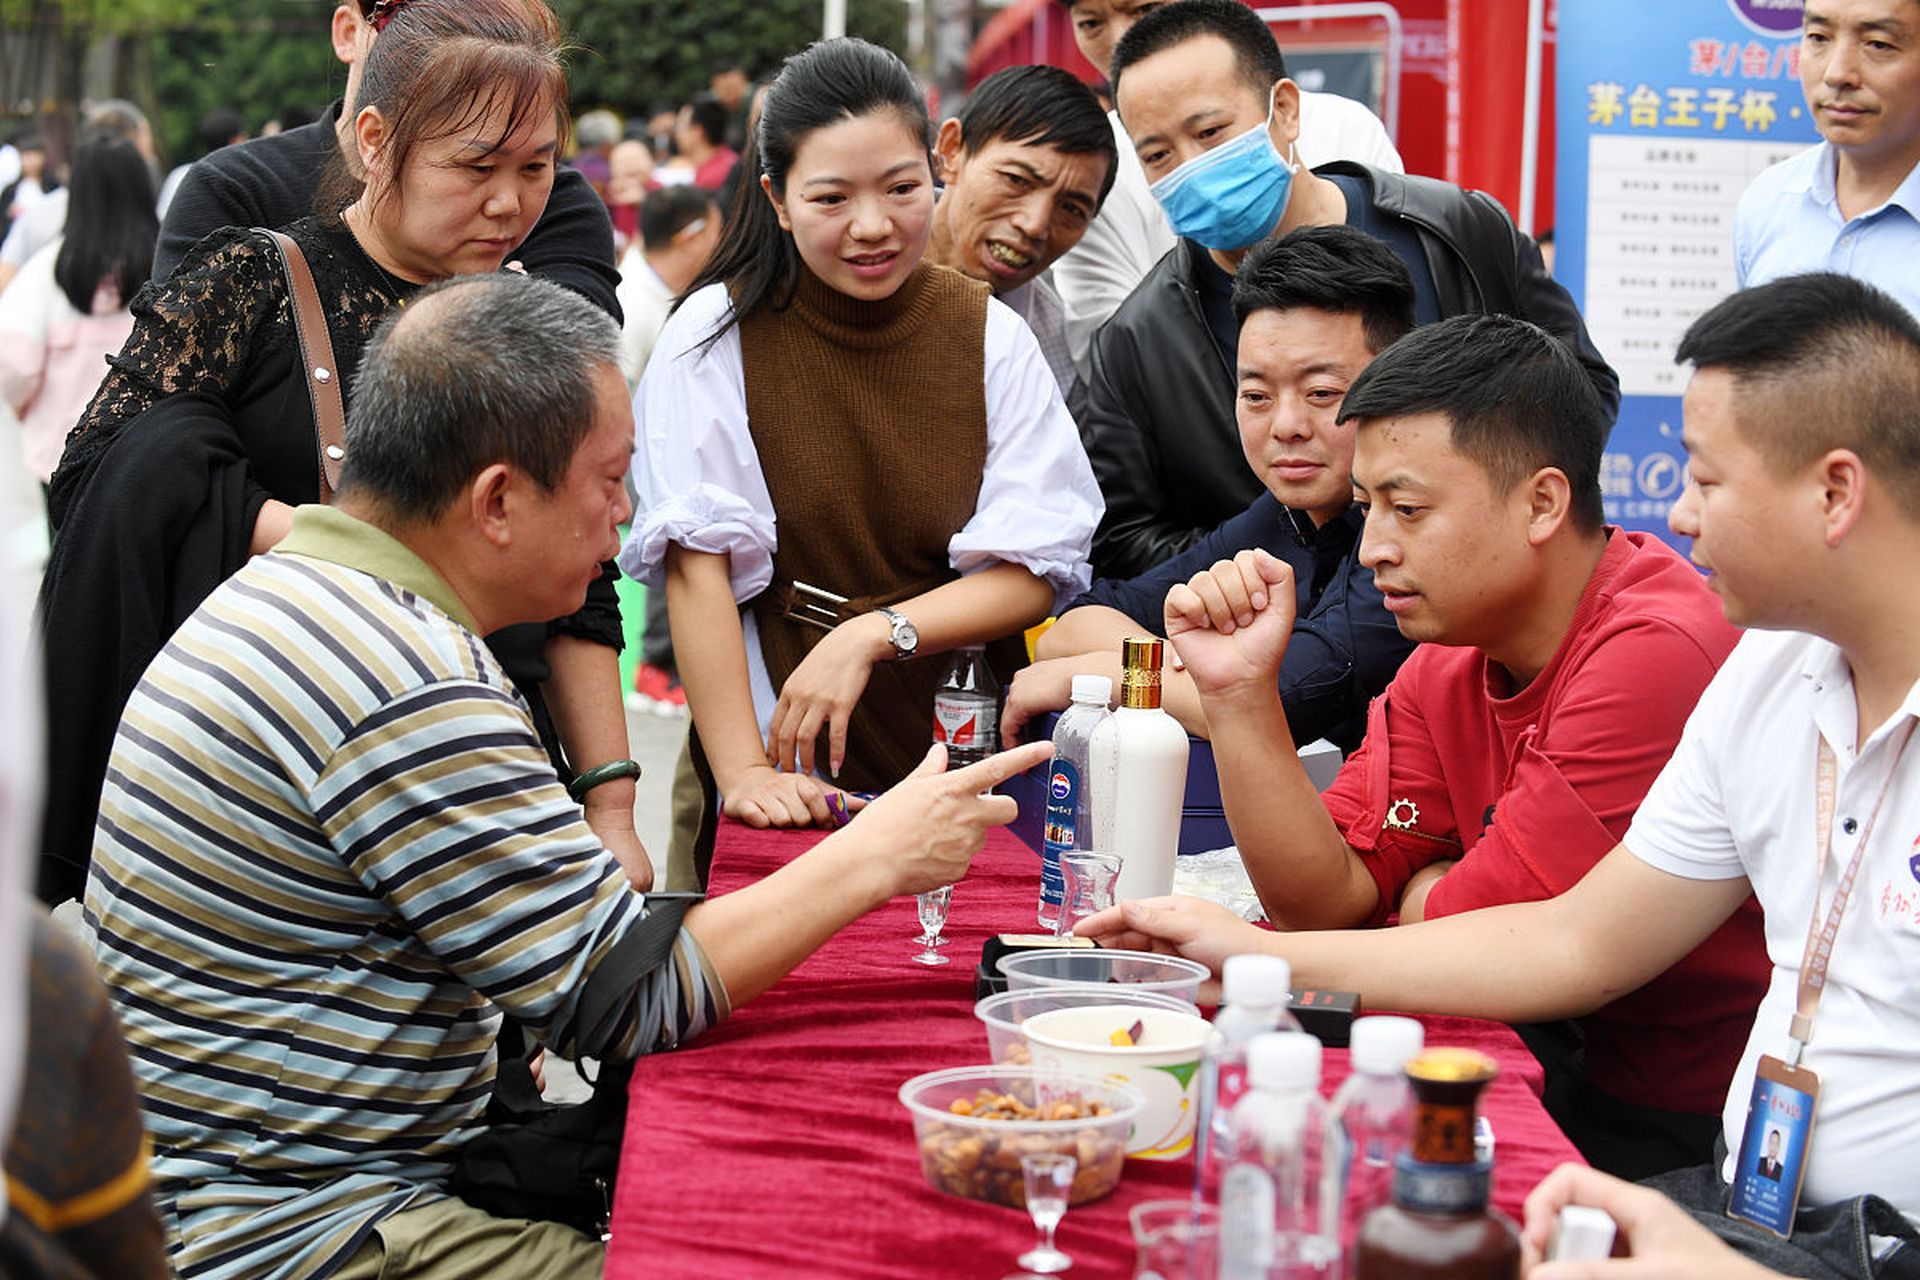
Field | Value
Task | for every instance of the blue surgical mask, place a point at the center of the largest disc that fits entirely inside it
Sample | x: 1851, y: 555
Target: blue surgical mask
x: 1229, y: 197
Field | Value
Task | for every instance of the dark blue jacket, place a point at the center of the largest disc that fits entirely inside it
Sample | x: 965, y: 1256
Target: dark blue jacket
x: 1345, y: 645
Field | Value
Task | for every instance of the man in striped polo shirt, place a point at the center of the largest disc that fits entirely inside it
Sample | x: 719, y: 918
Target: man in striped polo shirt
x: 331, y: 852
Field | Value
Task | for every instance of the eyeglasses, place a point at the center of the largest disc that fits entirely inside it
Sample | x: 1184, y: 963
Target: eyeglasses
x: 379, y: 12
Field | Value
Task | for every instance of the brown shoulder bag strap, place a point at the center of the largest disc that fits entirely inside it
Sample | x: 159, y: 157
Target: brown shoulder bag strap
x: 316, y: 363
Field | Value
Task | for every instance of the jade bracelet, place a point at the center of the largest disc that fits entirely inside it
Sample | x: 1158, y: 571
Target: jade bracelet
x: 607, y: 772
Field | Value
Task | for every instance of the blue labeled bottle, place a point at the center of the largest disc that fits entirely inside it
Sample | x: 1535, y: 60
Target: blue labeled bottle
x: 1069, y: 823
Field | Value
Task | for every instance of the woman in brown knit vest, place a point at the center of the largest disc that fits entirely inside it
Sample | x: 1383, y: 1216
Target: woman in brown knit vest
x: 849, y: 459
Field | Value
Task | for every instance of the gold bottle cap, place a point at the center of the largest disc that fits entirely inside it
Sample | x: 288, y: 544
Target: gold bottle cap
x: 1453, y: 1066
x: 1140, y: 671
x: 1446, y: 1089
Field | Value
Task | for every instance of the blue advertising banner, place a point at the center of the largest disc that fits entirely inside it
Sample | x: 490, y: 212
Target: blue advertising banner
x: 1665, y: 112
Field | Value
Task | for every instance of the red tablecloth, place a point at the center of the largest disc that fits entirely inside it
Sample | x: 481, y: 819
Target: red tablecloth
x: 775, y: 1145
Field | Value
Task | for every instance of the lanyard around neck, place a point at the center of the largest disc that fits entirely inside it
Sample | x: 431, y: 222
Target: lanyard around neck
x: 1820, y: 936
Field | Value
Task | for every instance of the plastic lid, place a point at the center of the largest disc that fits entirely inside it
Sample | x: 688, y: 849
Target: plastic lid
x: 1284, y: 1060
x: 1255, y: 978
x: 1382, y: 1046
x: 1581, y: 1234
x: 1093, y: 689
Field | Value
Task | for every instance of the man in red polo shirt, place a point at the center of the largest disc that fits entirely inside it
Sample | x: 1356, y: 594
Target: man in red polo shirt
x: 1559, y: 662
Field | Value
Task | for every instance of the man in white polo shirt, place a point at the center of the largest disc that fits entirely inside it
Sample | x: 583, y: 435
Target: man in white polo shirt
x: 1804, y: 505
x: 1852, y: 203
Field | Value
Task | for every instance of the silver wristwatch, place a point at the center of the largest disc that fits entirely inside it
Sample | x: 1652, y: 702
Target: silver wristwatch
x: 901, y: 634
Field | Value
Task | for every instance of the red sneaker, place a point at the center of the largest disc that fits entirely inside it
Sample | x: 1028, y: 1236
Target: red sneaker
x: 658, y: 690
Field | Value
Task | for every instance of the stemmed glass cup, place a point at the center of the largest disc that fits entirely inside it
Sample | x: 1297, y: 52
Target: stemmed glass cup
x: 928, y: 938
x: 1049, y: 1179
x: 933, y: 918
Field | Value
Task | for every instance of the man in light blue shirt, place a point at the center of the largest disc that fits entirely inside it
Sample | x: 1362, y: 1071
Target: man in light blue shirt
x: 1852, y: 203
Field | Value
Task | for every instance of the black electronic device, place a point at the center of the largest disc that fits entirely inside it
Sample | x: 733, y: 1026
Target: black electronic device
x: 989, y: 981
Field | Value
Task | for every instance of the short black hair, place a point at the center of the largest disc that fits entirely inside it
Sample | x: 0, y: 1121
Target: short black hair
x: 1837, y: 363
x: 472, y: 371
x: 217, y: 128
x: 1337, y: 269
x: 1515, y: 397
x: 671, y: 210
x: 709, y: 117
x: 1044, y: 106
x: 1255, y: 51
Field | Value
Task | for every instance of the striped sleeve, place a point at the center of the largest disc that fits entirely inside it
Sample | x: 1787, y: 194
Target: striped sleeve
x: 445, y: 807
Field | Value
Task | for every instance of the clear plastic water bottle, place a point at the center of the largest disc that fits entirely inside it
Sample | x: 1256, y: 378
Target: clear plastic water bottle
x: 1069, y: 814
x: 966, y: 708
x: 1371, y: 1123
x: 1253, y: 1001
x: 1272, y: 1223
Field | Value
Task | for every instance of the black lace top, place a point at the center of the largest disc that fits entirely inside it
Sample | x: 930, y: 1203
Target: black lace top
x: 222, y: 324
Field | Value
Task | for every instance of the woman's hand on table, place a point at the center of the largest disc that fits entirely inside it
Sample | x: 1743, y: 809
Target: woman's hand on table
x: 822, y: 691
x: 767, y: 797
x: 1661, y: 1240
x: 930, y: 824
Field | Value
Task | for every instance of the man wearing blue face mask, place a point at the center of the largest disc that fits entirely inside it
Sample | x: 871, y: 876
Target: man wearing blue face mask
x: 1203, y: 92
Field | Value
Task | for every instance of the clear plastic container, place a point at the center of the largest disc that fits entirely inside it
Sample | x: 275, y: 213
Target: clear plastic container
x: 1083, y: 967
x: 1003, y: 1014
x: 979, y: 1158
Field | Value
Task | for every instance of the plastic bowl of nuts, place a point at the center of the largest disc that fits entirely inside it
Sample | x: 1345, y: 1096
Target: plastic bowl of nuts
x: 1003, y: 1014
x: 1140, y: 970
x: 972, y: 1125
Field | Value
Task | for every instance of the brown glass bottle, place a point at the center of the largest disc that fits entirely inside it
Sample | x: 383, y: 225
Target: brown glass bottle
x: 1439, y: 1226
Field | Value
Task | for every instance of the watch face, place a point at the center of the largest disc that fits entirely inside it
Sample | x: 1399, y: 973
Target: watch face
x: 906, y: 637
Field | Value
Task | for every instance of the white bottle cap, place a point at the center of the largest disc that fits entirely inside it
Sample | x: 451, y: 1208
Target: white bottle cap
x: 1381, y: 1046
x: 1284, y: 1060
x: 1581, y: 1234
x: 1093, y: 689
x: 1255, y: 978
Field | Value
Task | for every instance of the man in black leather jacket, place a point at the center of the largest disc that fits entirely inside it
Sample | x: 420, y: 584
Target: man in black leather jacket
x: 1190, y: 77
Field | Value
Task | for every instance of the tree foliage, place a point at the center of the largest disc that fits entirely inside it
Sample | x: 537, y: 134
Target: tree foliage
x: 183, y: 58
x: 258, y: 63
x: 635, y: 54
x: 103, y: 17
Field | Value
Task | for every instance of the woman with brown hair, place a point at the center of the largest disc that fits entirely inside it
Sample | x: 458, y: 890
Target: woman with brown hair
x: 201, y: 438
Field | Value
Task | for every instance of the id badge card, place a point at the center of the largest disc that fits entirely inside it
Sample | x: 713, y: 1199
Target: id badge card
x: 1773, y: 1149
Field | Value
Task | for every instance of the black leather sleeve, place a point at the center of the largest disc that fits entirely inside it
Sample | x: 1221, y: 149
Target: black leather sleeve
x: 1139, y: 529
x: 1538, y: 297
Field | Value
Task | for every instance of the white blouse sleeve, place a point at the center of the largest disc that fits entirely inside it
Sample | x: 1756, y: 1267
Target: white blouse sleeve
x: 696, y: 474
x: 1038, y: 500
x: 25, y: 310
